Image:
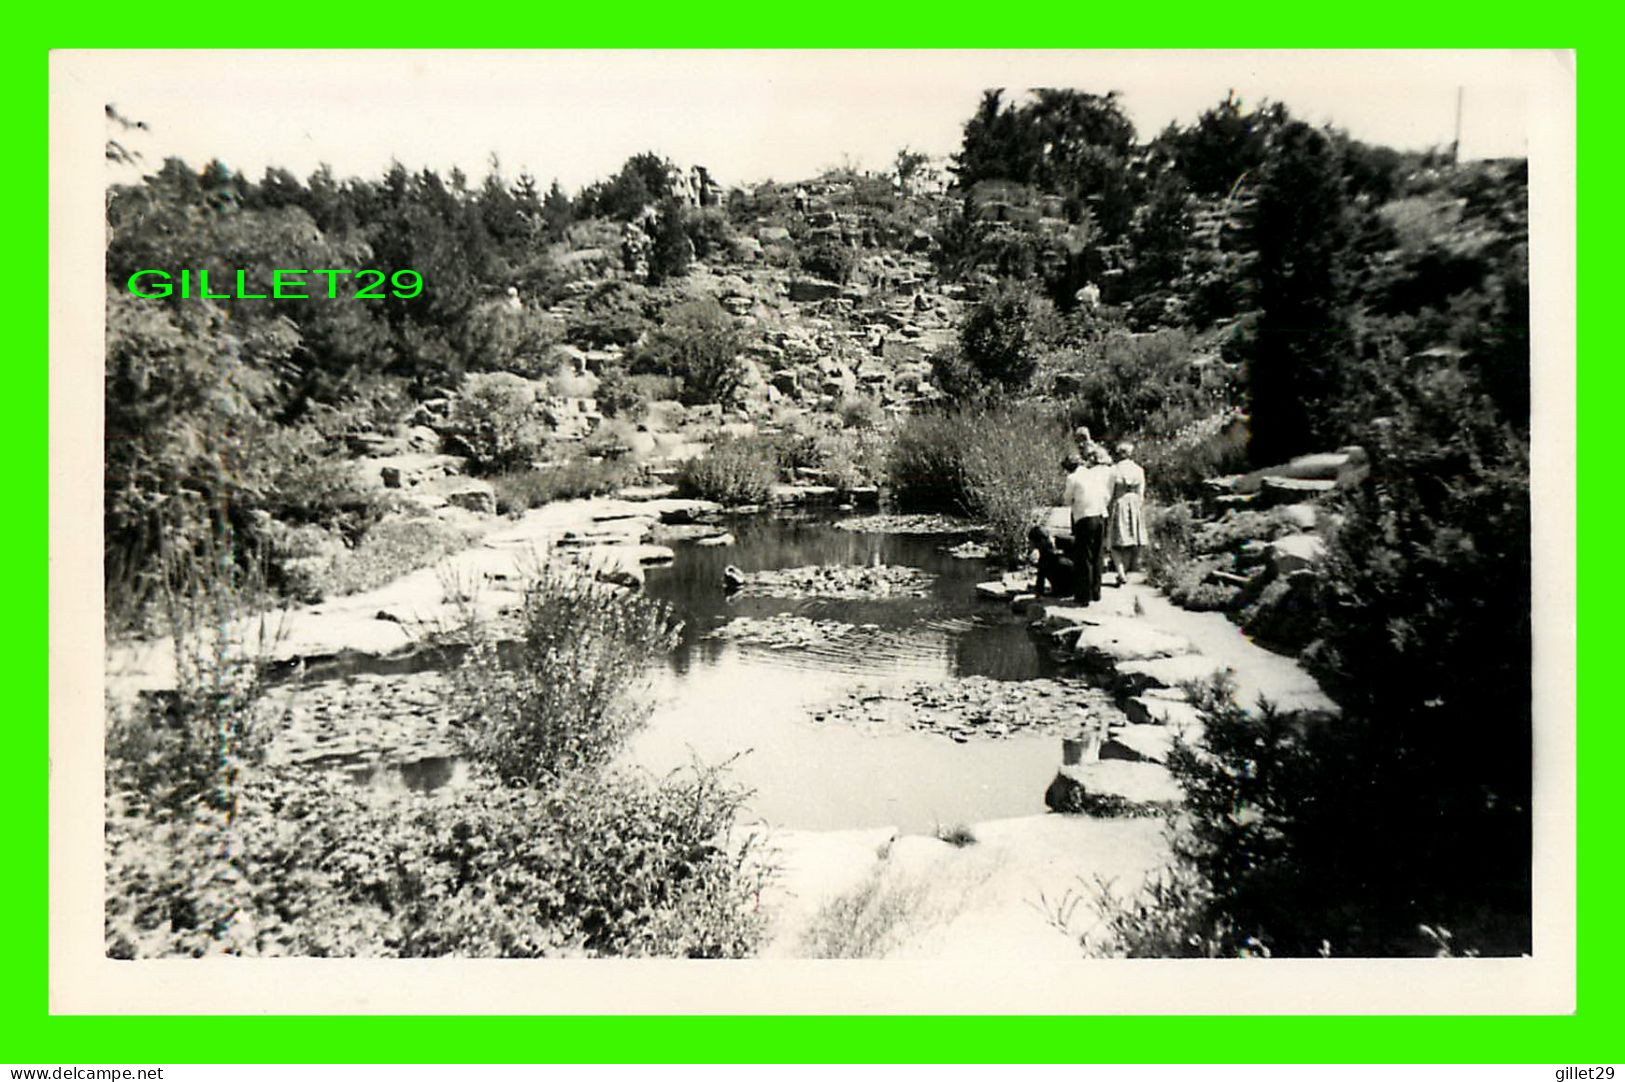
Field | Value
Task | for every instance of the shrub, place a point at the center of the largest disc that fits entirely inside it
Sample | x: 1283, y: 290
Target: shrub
x: 867, y: 920
x: 1003, y: 335
x: 861, y: 411
x: 570, y: 480
x: 394, y: 547
x: 999, y: 463
x: 698, y: 343
x: 672, y: 250
x: 494, y: 418
x: 570, y: 699
x: 1176, y: 465
x: 618, y: 396
x: 588, y: 866
x: 954, y: 375
x: 829, y: 260
x: 732, y: 471
x: 1144, y: 384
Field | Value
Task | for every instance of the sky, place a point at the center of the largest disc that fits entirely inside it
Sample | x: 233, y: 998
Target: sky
x: 754, y: 115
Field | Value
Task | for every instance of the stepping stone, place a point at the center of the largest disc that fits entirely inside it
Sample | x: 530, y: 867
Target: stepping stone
x: 1139, y: 744
x: 1128, y: 640
x: 1169, y: 672
x: 1276, y: 491
x: 1153, y: 709
x: 1113, y: 787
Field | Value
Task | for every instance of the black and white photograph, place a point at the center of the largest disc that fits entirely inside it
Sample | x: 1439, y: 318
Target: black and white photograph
x: 974, y: 513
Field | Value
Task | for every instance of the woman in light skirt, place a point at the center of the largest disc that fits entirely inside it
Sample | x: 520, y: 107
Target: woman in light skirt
x: 1125, y: 522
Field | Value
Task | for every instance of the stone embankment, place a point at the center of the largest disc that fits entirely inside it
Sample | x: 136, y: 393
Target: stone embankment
x: 1149, y: 655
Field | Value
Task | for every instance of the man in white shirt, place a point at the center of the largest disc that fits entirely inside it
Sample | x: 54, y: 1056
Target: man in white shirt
x: 1088, y: 493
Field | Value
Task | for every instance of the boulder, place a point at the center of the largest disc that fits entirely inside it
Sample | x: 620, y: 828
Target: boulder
x: 476, y: 496
x: 1112, y: 788
x: 1278, y: 491
x: 715, y: 540
x: 1296, y: 552
x: 1153, y: 709
x: 423, y: 439
x: 806, y: 290
x: 1304, y: 516
x: 773, y: 234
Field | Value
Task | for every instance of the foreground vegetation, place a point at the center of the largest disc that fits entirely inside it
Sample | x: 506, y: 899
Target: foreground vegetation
x: 545, y: 852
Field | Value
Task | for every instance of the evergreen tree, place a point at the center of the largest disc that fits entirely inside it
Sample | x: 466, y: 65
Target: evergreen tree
x: 1300, y: 229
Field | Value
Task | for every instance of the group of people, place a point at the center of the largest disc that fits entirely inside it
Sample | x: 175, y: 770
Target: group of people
x: 1106, y: 500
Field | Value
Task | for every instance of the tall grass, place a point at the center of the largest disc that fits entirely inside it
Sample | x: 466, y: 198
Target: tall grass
x: 188, y: 745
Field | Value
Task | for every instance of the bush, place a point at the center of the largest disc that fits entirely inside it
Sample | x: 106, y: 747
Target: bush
x: 618, y: 396
x: 699, y: 344
x: 569, y: 700
x: 611, y: 866
x: 571, y: 480
x: 1145, y: 385
x: 862, y: 412
x: 1177, y: 465
x: 732, y: 471
x: 829, y: 260
x: 999, y: 463
x: 1003, y: 335
x: 495, y: 419
x: 394, y: 547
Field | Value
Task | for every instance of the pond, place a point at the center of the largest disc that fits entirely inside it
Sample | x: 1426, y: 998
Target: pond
x: 757, y: 706
x: 754, y: 704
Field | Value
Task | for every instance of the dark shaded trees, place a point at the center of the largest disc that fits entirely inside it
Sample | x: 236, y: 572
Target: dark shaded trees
x: 1301, y: 230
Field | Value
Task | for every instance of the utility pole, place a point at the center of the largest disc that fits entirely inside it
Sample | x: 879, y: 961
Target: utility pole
x: 1455, y: 145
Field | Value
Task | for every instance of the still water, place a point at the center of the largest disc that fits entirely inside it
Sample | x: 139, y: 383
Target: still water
x: 719, y: 700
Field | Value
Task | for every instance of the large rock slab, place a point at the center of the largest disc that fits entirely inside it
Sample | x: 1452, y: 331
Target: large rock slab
x: 1139, y: 744
x: 1278, y: 491
x: 1127, y: 639
x: 1113, y: 788
x: 1296, y: 552
x: 1170, y: 672
x: 1153, y: 709
x: 812, y: 289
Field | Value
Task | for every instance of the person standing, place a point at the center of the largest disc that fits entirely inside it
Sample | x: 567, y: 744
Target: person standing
x: 1088, y: 495
x: 1125, y: 530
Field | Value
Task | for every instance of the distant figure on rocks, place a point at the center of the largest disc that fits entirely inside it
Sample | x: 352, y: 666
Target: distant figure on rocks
x: 1125, y: 531
x: 732, y: 579
x: 1054, y: 569
x: 1088, y: 494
